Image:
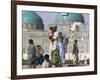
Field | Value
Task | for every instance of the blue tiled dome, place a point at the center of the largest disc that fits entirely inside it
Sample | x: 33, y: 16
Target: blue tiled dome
x: 31, y: 17
x: 70, y: 17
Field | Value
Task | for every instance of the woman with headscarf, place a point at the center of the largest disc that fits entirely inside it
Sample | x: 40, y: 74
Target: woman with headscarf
x: 55, y: 51
x: 31, y: 54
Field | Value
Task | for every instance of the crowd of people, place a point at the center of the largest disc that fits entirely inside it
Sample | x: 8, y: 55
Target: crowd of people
x: 56, y: 56
x: 36, y: 56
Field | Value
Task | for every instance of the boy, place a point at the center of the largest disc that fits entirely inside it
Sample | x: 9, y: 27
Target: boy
x: 50, y: 35
x: 47, y: 62
x: 75, y: 51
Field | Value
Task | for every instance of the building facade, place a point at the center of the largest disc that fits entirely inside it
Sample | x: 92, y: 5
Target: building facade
x: 33, y: 28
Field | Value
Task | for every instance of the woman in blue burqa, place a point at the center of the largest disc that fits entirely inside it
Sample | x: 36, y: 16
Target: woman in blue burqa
x: 61, y: 47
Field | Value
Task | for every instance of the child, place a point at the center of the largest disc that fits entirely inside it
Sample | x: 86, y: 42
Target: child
x: 39, y: 55
x: 50, y: 35
x: 47, y: 63
x: 75, y: 51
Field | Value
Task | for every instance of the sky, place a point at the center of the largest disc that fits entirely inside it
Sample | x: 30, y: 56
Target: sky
x: 49, y: 17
